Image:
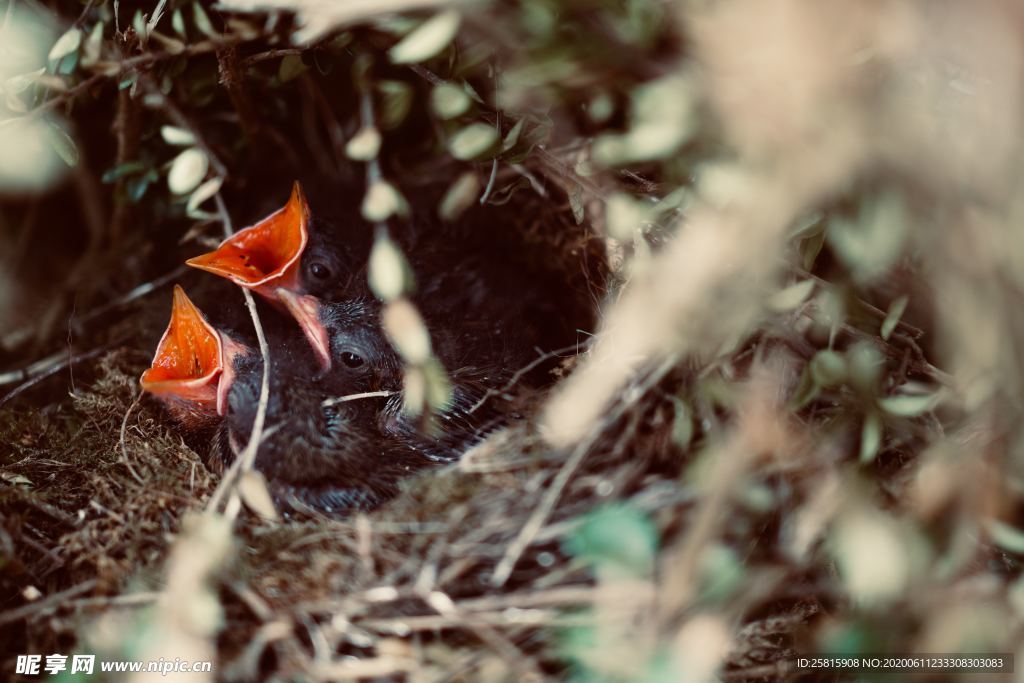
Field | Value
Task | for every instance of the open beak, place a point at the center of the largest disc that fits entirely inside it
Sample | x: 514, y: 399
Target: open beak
x: 194, y: 363
x: 306, y: 311
x: 265, y: 259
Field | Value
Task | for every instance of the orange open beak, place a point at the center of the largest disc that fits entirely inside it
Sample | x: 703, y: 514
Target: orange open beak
x: 193, y: 361
x: 265, y: 259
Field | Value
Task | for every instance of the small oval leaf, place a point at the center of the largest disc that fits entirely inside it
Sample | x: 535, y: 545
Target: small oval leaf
x: 870, y: 438
x: 388, y: 270
x: 449, y: 101
x: 65, y: 45
x: 460, y: 196
x: 382, y: 201
x: 1006, y: 537
x: 202, y: 193
x: 202, y: 20
x: 892, y: 317
x: 910, y: 405
x: 178, y: 137
x: 428, y: 39
x: 828, y: 368
x: 291, y: 67
x: 408, y: 333
x: 187, y: 170
x: 364, y: 145
x: 473, y: 142
x: 439, y: 387
x: 63, y: 145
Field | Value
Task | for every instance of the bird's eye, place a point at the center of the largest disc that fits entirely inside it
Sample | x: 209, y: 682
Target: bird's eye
x: 352, y: 360
x: 319, y: 271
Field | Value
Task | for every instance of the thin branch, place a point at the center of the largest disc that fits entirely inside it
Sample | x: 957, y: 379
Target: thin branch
x: 518, y: 375
x: 46, y: 368
x: 327, y: 403
x: 245, y: 460
x: 270, y: 54
x: 490, y: 182
x: 51, y: 602
x: 124, y: 447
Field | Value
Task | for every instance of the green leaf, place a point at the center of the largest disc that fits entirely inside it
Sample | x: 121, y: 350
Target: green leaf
x: 63, y: 145
x: 512, y: 137
x: 892, y: 317
x: 449, y: 101
x: 721, y: 572
x: 909, y: 405
x: 135, y: 187
x: 462, y: 194
x: 364, y: 145
x: 439, y: 387
x: 617, y: 538
x: 865, y: 363
x: 663, y: 116
x: 67, y: 44
x: 789, y: 298
x: 388, y: 269
x: 872, y: 243
x: 178, y: 23
x: 291, y: 66
x: 475, y: 141
x: 140, y: 27
x: 67, y: 65
x: 121, y: 170
x: 1006, y: 537
x: 870, y: 437
x: 428, y: 39
x: 396, y: 101
x: 811, y: 247
x: 806, y: 392
x: 414, y: 391
x: 382, y: 201
x: 178, y: 137
x: 93, y: 44
x: 202, y: 20
x: 202, y: 193
x: 187, y: 170
x: 576, y: 204
x: 407, y: 331
x: 828, y: 368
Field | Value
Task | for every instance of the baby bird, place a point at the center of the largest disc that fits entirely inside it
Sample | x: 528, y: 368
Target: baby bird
x: 336, y: 435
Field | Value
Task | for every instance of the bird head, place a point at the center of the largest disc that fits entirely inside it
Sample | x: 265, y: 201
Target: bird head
x: 193, y: 366
x: 267, y: 258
